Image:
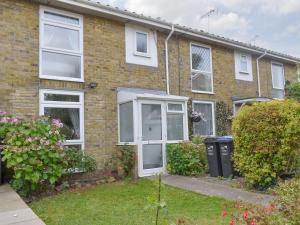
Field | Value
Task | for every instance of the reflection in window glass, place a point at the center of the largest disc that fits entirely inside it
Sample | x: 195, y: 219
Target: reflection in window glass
x: 61, y: 18
x: 174, y: 107
x: 205, y: 126
x: 141, y: 42
x: 126, y: 122
x: 61, y: 97
x: 152, y: 156
x: 175, y: 126
x: 69, y: 117
x: 61, y: 37
x: 61, y: 65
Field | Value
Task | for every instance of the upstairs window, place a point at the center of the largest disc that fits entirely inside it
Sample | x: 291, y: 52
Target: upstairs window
x: 141, y: 39
x: 140, y: 45
x: 243, y: 66
x: 278, y: 81
x: 61, y: 45
x: 201, y: 66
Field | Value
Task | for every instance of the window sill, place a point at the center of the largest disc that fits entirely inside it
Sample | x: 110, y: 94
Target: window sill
x: 48, y: 77
x: 203, y: 92
x: 126, y: 143
x: 145, y: 55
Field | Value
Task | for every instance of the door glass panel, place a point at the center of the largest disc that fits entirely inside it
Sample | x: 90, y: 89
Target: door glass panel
x: 151, y: 122
x: 152, y: 156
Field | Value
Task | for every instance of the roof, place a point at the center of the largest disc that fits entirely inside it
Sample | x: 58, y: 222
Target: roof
x: 96, y: 8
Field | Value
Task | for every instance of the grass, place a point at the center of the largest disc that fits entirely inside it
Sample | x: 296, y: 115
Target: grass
x: 124, y: 203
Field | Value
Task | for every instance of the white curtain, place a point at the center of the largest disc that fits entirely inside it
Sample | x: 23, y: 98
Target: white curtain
x: 60, y: 37
x: 75, y: 119
x: 204, y: 127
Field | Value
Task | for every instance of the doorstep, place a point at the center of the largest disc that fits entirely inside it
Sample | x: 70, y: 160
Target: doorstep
x: 14, y: 211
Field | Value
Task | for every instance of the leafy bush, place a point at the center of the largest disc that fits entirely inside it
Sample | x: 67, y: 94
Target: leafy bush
x: 292, y: 91
x: 78, y: 161
x: 285, y: 209
x: 267, y: 141
x: 6, y: 123
x: 34, y: 151
x: 126, y: 157
x: 187, y: 158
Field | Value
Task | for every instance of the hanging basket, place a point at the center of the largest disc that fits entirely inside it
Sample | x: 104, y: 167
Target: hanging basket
x: 196, y: 117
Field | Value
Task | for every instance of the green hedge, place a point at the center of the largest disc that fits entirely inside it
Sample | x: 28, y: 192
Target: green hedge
x: 187, y: 158
x: 267, y: 141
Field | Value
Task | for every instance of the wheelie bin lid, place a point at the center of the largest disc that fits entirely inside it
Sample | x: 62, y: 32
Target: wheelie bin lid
x: 224, y: 139
x: 210, y: 140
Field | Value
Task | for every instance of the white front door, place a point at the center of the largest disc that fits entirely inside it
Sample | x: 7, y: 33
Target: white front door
x: 152, y: 138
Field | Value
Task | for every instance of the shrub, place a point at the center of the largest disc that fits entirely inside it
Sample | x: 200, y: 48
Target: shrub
x: 187, y: 158
x: 267, y: 141
x: 292, y: 91
x: 6, y: 123
x: 126, y: 157
x: 34, y: 151
x: 285, y: 209
x: 78, y: 161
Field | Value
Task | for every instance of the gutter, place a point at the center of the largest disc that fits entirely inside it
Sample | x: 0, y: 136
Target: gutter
x: 167, y: 59
x: 258, y: 75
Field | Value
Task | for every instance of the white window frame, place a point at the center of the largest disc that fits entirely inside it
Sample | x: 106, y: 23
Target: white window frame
x: 65, y: 104
x: 45, y: 21
x: 200, y: 71
x: 184, y: 116
x: 240, y: 74
x: 134, y: 124
x: 213, y: 114
x: 137, y: 53
x: 278, y: 64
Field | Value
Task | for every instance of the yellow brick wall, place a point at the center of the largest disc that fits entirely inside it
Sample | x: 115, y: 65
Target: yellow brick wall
x: 104, y: 63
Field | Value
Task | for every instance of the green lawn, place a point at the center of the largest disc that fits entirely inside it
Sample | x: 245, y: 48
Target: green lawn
x: 124, y: 203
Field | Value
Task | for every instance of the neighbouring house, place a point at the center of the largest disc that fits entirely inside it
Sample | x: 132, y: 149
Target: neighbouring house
x: 115, y: 77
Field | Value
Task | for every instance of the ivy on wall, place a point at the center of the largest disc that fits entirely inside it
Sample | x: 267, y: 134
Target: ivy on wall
x: 223, y: 121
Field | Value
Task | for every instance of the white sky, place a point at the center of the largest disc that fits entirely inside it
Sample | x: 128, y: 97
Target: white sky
x: 274, y: 23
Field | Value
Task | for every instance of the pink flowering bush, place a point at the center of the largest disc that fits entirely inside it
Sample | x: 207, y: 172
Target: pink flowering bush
x: 6, y: 123
x: 34, y: 151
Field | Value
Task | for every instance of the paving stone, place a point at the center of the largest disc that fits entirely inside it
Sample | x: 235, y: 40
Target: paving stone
x: 204, y: 187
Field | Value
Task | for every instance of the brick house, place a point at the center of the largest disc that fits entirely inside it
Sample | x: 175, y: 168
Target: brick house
x: 107, y: 75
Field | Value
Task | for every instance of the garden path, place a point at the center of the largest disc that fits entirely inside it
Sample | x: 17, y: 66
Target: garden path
x: 206, y: 187
x: 14, y: 211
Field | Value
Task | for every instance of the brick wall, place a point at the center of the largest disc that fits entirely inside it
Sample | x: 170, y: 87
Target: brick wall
x: 104, y: 63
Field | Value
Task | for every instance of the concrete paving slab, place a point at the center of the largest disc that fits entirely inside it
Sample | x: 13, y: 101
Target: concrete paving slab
x: 202, y: 186
x: 13, y: 209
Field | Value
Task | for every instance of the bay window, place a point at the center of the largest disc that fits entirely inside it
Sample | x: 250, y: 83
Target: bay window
x: 61, y: 45
x: 67, y: 106
x: 201, y: 69
x: 206, y: 127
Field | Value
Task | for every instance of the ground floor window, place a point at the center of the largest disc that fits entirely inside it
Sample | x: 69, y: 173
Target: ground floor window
x: 175, y: 121
x: 67, y: 106
x: 126, y: 133
x: 206, y: 127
